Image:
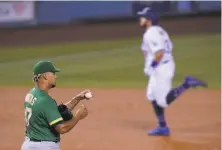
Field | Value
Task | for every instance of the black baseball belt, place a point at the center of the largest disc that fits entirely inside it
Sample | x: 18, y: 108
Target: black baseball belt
x: 35, y: 140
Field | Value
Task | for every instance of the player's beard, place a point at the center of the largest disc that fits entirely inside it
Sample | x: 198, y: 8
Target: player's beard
x: 53, y: 85
x: 144, y: 26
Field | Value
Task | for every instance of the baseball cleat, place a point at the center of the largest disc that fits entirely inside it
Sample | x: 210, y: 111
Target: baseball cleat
x: 194, y: 82
x: 159, y: 131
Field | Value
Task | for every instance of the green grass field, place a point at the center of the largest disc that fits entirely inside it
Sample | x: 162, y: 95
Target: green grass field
x: 110, y: 64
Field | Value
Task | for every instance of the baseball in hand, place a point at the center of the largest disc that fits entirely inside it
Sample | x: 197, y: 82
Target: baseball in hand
x: 88, y: 95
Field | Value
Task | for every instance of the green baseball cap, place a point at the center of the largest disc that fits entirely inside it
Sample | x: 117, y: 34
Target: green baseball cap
x: 43, y: 67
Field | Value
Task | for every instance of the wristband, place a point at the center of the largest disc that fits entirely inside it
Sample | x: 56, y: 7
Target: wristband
x: 154, y: 64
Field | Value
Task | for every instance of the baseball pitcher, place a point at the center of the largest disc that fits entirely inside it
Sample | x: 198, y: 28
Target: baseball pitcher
x: 44, y: 119
x: 159, y: 66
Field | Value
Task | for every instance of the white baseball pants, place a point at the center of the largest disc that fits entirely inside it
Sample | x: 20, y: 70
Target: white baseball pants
x: 45, y: 145
x: 160, y: 83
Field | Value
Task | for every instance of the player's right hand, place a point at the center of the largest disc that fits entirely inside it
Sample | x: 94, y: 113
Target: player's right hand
x: 81, y: 95
x: 82, y: 112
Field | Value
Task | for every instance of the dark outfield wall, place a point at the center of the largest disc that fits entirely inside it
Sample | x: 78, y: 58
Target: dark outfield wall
x: 106, y: 30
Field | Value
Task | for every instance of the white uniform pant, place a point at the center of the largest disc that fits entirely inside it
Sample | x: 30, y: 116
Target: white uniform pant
x: 44, y: 145
x: 160, y: 83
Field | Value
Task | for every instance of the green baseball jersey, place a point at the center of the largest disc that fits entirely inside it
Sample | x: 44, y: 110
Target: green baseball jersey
x: 41, y: 114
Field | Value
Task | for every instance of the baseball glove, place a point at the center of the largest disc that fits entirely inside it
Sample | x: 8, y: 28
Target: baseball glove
x: 65, y: 112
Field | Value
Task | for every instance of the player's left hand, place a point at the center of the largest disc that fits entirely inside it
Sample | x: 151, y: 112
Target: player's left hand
x: 65, y: 112
x: 148, y: 71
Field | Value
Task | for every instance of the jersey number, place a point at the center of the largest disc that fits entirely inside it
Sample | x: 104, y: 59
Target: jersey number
x: 28, y: 114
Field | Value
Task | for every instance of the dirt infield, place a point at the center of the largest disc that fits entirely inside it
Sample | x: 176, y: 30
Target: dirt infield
x: 119, y: 118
